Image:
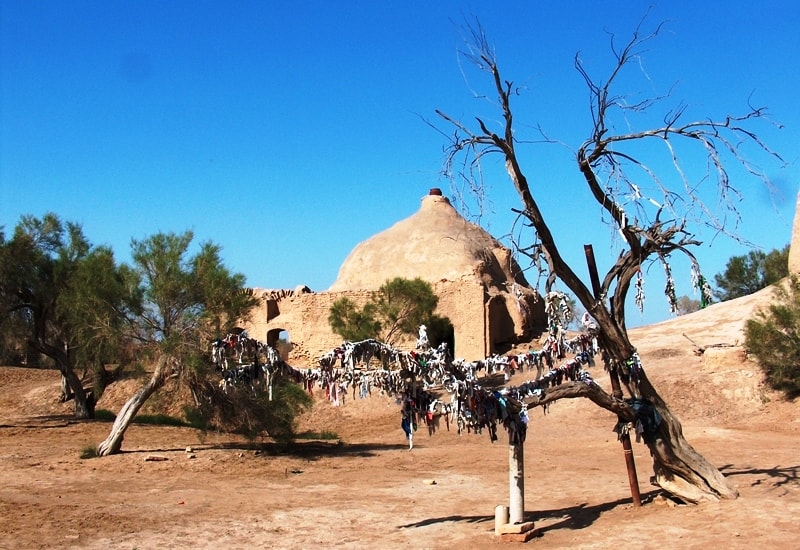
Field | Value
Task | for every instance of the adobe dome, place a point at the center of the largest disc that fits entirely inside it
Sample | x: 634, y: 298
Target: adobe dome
x: 436, y: 243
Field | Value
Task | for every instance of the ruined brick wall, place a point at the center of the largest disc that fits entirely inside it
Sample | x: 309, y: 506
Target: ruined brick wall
x: 305, y: 317
x: 462, y: 302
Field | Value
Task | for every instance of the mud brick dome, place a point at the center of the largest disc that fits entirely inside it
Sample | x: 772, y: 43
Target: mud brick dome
x: 480, y: 286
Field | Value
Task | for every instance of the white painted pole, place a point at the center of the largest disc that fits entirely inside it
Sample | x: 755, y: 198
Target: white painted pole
x: 516, y: 482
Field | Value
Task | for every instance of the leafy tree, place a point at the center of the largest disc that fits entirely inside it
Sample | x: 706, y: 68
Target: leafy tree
x: 249, y: 410
x: 776, y: 265
x: 614, y: 165
x: 403, y: 305
x: 750, y: 273
x: 773, y: 337
x: 353, y: 323
x: 186, y: 301
x: 398, y: 308
x: 63, y: 297
x: 687, y: 305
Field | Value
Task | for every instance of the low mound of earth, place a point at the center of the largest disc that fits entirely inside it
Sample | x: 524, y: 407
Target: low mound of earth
x: 369, y: 491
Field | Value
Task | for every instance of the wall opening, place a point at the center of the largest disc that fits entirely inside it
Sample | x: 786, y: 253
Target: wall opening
x: 280, y: 339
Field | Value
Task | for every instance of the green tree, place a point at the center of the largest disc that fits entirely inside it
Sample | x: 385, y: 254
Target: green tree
x: 773, y: 337
x: 398, y: 308
x: 403, y: 305
x: 750, y: 273
x: 63, y: 298
x: 187, y: 300
x: 776, y: 265
x: 353, y: 323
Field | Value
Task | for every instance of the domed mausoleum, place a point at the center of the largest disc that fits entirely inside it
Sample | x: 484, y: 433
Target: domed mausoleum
x: 480, y: 286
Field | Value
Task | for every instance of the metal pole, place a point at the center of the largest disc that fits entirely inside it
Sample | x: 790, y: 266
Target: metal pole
x: 616, y: 389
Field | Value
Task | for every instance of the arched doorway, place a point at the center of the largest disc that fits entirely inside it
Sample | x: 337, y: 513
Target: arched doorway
x: 280, y: 339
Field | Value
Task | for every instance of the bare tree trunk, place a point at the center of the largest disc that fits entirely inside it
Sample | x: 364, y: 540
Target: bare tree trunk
x: 71, y: 385
x: 66, y: 391
x: 113, y: 443
x: 70, y: 382
x: 679, y: 469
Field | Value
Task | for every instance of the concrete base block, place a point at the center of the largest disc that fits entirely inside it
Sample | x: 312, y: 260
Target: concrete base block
x: 518, y: 537
x: 514, y: 528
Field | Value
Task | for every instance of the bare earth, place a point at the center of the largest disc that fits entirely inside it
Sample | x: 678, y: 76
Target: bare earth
x: 371, y: 492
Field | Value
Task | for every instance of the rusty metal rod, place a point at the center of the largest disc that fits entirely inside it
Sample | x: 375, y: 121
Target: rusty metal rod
x: 616, y: 389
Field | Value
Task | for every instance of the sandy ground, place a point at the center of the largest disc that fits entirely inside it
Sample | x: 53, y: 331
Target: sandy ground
x: 369, y: 491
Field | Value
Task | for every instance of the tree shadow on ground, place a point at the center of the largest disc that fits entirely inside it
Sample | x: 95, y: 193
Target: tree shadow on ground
x: 314, y: 450
x: 572, y: 517
x: 43, y: 421
x: 582, y: 515
x: 780, y: 475
x: 307, y: 450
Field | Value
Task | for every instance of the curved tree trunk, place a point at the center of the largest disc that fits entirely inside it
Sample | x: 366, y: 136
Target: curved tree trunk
x: 679, y: 469
x: 71, y: 385
x: 113, y: 443
x: 84, y: 408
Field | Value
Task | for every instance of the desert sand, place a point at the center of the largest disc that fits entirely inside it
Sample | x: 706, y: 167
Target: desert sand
x: 368, y: 491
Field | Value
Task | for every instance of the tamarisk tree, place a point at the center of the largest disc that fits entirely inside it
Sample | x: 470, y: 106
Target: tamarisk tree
x: 186, y: 300
x: 65, y: 299
x: 613, y: 168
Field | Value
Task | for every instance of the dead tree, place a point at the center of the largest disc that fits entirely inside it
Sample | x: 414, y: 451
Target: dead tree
x: 651, y: 228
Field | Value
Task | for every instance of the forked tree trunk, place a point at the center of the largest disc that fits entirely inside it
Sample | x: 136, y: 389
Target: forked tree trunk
x: 71, y: 383
x: 113, y: 443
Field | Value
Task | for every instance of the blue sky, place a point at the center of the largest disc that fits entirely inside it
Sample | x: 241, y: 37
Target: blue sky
x: 288, y: 132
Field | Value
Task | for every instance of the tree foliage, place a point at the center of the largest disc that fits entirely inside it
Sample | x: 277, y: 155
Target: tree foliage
x: 773, y: 337
x: 403, y: 305
x: 353, y: 323
x: 248, y: 410
x: 397, y: 309
x: 750, y: 273
x: 65, y: 299
x: 186, y: 301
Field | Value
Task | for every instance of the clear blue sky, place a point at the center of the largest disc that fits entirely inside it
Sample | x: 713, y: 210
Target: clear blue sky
x: 288, y: 132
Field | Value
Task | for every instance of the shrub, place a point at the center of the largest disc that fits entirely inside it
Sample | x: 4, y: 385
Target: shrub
x: 104, y: 415
x: 90, y: 451
x: 159, y: 420
x: 773, y: 337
